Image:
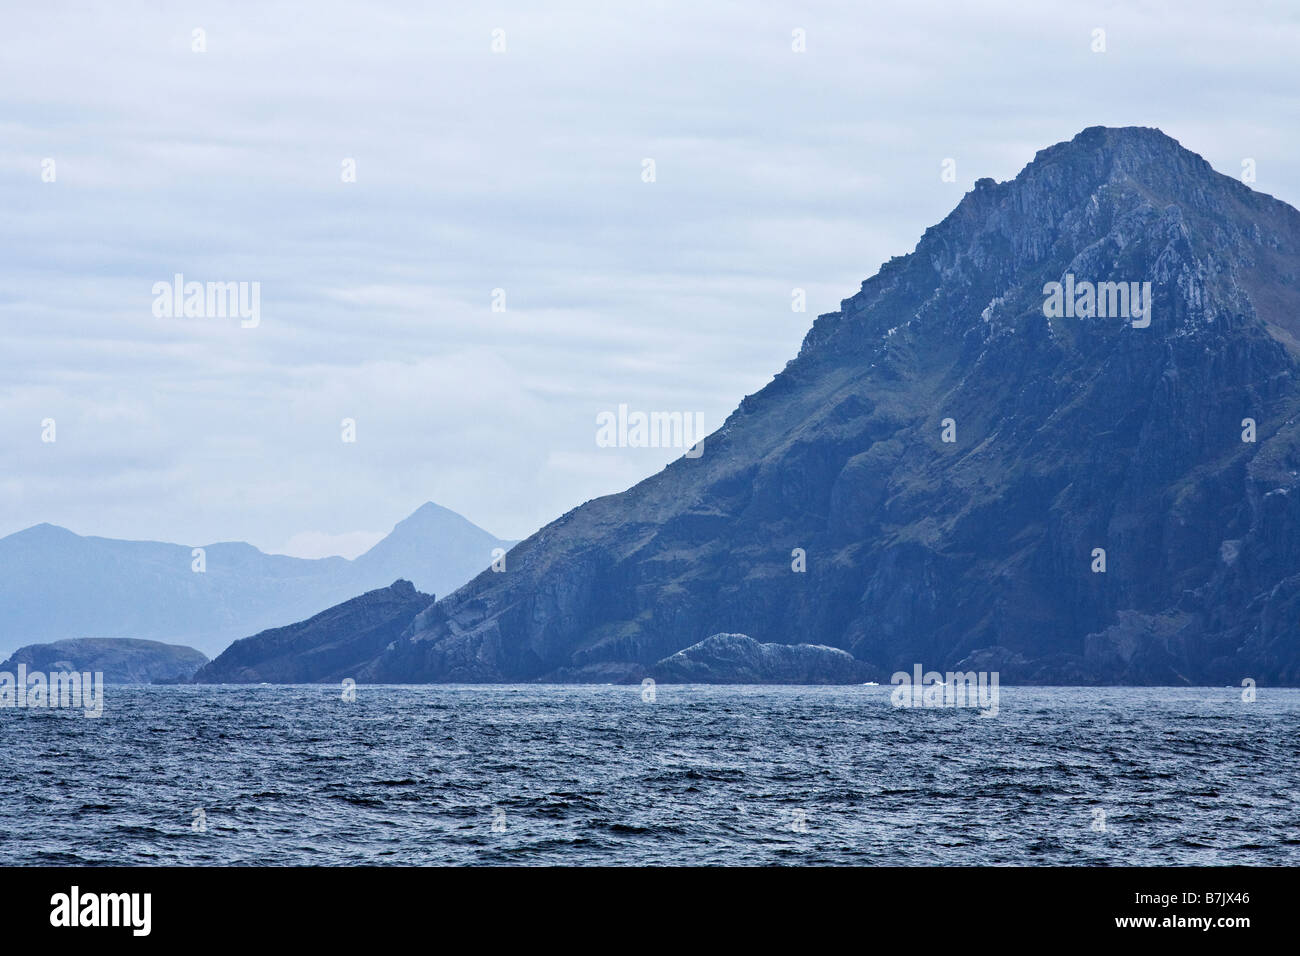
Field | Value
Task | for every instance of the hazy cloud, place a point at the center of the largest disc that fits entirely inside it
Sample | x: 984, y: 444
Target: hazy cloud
x: 518, y: 171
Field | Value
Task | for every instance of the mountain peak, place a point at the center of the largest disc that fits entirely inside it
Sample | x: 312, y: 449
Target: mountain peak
x: 420, y: 542
x: 46, y: 531
x: 1119, y: 138
x: 948, y: 455
x: 430, y: 509
x: 430, y: 518
x: 1114, y: 153
x: 1110, y: 205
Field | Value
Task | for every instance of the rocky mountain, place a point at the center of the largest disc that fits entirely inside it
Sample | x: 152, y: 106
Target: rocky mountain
x: 739, y: 659
x: 1096, y: 515
x: 120, y: 660
x: 329, y: 647
x: 55, y: 584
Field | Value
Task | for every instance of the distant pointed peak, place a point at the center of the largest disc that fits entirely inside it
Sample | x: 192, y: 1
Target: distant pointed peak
x: 45, y: 530
x: 433, y: 513
x: 431, y: 508
x: 429, y: 523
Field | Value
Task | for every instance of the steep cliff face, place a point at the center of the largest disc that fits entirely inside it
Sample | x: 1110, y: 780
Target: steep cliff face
x: 1071, y: 434
x: 331, y: 646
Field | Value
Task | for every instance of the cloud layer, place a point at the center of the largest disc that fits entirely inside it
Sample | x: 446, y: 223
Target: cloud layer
x: 521, y: 171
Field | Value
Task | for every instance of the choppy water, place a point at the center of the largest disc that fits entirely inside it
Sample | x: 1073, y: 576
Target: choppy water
x: 596, y: 775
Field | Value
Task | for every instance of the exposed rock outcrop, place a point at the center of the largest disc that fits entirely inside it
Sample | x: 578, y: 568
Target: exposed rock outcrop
x: 738, y: 659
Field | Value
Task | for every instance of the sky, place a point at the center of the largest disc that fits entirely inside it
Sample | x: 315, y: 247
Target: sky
x: 500, y: 160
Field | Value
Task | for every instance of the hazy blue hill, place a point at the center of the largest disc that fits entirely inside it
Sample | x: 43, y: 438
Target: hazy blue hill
x: 120, y: 660
x: 56, y: 585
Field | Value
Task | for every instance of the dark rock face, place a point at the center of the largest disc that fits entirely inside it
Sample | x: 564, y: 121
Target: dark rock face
x: 329, y: 647
x: 737, y: 659
x: 1071, y: 434
x: 121, y: 660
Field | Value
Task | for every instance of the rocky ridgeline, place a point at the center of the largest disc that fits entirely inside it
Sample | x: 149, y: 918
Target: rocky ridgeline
x: 329, y: 647
x: 953, y: 471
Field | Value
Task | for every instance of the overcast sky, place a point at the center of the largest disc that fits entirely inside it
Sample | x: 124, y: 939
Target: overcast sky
x: 519, y: 170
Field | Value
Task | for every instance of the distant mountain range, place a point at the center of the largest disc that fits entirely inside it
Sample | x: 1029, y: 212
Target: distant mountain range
x: 55, y: 584
x: 973, y: 464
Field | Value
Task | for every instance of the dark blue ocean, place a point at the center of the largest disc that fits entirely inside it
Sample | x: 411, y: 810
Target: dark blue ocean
x: 563, y: 775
